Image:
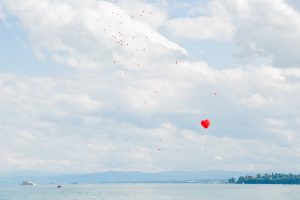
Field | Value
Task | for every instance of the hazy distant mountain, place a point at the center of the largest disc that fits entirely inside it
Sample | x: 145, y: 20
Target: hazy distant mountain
x: 118, y: 177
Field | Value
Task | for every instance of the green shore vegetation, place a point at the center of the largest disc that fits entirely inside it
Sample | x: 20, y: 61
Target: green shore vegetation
x: 274, y: 178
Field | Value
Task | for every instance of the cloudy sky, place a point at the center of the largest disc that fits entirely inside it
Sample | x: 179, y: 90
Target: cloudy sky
x: 94, y: 85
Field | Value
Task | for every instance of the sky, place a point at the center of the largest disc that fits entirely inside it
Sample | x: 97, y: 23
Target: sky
x: 94, y: 85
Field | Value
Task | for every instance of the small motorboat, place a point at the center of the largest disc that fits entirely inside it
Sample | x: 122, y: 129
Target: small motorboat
x: 25, y: 183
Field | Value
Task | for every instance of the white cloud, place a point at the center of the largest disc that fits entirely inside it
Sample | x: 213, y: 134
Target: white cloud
x: 255, y: 101
x: 92, y: 35
x: 217, y: 157
x: 78, y: 102
x: 278, y: 34
x: 146, y: 12
x: 216, y: 25
x: 276, y: 122
x: 2, y: 15
x: 261, y: 31
x: 67, y: 122
x: 143, y: 112
x: 202, y: 28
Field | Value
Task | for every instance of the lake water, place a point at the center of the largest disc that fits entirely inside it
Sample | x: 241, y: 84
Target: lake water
x: 151, y: 192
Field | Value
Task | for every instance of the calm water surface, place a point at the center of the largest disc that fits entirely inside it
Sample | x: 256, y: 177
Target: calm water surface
x: 151, y: 192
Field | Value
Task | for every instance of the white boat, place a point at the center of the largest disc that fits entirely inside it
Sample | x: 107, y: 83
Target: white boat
x: 27, y: 183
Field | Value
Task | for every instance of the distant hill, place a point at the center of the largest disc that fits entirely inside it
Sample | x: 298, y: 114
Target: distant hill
x: 119, y: 177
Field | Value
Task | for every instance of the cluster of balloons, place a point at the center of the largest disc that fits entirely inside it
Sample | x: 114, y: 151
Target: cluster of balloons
x: 121, y: 40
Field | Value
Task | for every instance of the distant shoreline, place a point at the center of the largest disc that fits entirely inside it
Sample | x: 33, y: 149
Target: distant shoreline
x: 122, y: 177
x: 211, y: 181
x: 273, y: 178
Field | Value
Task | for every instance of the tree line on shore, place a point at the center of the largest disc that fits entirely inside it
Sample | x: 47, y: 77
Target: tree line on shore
x: 274, y: 178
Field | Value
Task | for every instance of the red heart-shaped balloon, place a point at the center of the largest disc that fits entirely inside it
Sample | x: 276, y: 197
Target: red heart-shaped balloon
x: 205, y: 123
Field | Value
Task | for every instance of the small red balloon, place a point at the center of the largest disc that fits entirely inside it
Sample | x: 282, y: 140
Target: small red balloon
x: 205, y: 123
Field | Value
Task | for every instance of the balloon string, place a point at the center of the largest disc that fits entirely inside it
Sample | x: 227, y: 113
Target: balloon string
x: 204, y: 140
